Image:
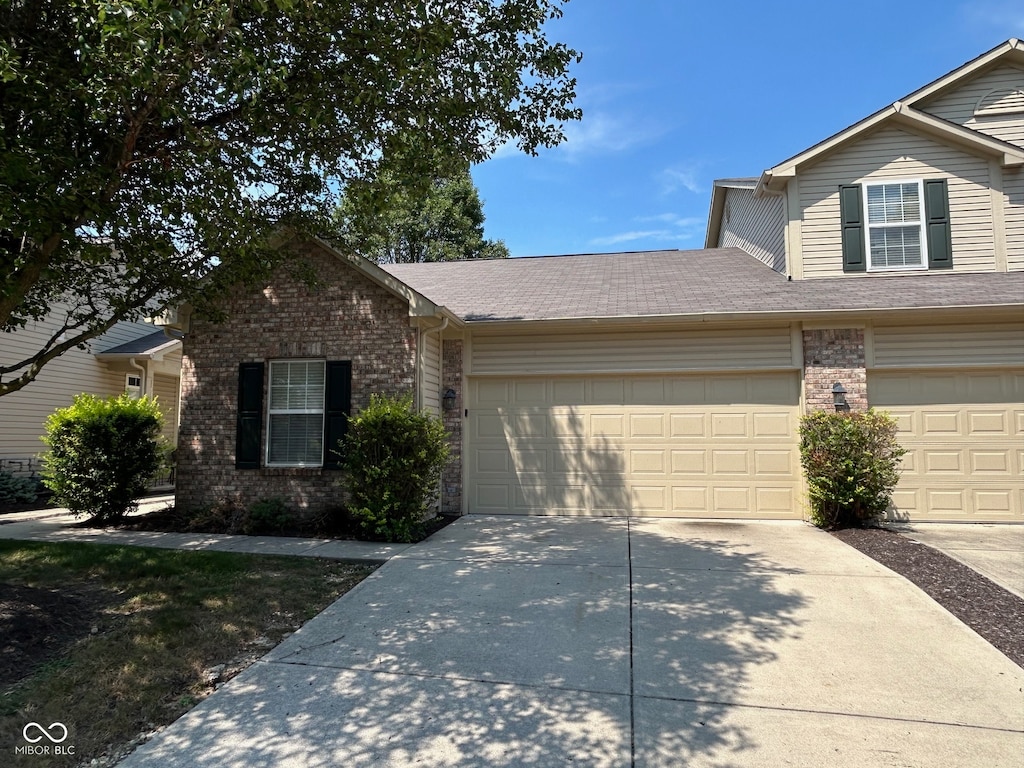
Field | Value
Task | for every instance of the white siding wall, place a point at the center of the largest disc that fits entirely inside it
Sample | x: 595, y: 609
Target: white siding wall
x: 757, y: 225
x: 993, y: 88
x: 634, y: 351
x: 22, y: 413
x: 892, y: 153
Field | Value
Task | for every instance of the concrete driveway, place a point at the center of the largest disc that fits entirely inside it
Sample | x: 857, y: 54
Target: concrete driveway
x: 557, y: 641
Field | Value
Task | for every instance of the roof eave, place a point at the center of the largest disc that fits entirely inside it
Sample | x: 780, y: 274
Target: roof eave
x: 782, y: 315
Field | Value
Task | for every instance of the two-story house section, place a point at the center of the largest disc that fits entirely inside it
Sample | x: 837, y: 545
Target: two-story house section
x: 926, y: 195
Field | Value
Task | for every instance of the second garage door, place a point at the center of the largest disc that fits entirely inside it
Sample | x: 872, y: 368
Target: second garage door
x: 678, y: 446
x: 965, y: 434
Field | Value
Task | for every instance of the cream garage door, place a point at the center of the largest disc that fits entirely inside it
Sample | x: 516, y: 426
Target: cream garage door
x: 680, y: 446
x: 965, y: 432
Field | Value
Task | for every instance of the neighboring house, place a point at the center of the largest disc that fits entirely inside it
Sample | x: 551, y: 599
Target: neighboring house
x: 888, y: 259
x: 130, y: 357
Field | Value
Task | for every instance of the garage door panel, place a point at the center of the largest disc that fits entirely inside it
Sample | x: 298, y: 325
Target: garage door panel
x: 965, y: 459
x: 682, y: 425
x: 989, y: 423
x: 648, y: 452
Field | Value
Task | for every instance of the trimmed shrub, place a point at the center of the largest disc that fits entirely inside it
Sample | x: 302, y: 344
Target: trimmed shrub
x: 852, y: 462
x: 102, y: 455
x: 394, y: 458
x: 15, y: 489
x: 268, y: 516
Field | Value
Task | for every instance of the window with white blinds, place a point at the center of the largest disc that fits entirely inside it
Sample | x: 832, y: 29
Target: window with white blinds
x: 295, y: 425
x: 895, y: 225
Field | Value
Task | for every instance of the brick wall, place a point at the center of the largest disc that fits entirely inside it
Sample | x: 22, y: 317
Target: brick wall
x: 344, y: 316
x: 451, y: 477
x: 830, y: 356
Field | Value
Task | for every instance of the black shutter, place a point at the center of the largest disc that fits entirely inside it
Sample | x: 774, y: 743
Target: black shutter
x: 851, y: 213
x: 250, y: 415
x: 337, y: 407
x: 936, y: 217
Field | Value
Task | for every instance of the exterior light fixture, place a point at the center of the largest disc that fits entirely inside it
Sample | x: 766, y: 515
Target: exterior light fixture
x: 448, y: 400
x: 839, y: 397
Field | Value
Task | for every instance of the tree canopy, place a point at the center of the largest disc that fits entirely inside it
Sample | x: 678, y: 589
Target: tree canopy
x: 390, y: 222
x: 144, y: 143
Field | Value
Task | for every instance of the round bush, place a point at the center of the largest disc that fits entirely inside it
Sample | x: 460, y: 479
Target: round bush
x: 103, y: 453
x: 394, y: 458
x: 852, y: 462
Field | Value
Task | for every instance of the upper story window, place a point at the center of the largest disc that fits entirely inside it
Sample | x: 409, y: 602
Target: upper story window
x: 895, y: 223
x: 295, y: 413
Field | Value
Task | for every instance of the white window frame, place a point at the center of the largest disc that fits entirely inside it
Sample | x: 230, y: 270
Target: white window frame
x: 868, y: 226
x: 133, y: 390
x: 271, y: 411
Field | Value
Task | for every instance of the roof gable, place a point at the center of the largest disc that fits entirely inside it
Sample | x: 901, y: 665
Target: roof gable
x: 907, y: 113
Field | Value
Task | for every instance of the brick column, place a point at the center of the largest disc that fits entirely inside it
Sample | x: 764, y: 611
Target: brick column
x: 451, y: 476
x: 830, y: 356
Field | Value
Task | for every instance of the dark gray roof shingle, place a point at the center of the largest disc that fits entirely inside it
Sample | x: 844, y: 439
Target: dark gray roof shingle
x: 709, y: 281
x: 144, y: 345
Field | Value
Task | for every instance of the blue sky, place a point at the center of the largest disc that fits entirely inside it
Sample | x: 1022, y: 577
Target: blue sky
x: 677, y: 93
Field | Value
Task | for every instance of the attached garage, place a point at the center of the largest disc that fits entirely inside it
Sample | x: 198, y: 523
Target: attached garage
x: 964, y: 427
x: 677, y: 444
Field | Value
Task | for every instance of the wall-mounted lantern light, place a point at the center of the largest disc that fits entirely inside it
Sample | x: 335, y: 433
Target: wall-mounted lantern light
x: 448, y: 400
x: 839, y: 397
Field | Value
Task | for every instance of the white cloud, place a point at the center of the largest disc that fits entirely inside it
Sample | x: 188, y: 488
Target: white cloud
x: 676, y: 178
x: 628, y: 237
x: 677, y: 229
x: 604, y: 133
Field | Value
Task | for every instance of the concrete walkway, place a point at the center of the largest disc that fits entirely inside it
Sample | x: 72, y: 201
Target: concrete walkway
x: 557, y: 641
x: 995, y: 551
x: 60, y: 525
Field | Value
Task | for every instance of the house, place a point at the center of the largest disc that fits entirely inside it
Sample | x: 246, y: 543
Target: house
x: 130, y: 357
x: 888, y: 259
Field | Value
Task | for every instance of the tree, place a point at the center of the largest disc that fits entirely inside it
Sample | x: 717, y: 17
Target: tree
x: 391, y: 223
x: 143, y: 144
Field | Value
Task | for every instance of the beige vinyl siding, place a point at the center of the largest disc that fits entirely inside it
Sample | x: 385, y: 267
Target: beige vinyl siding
x: 712, y: 445
x: 755, y: 224
x: 992, y: 95
x: 965, y: 434
x: 949, y: 346
x: 892, y: 153
x: 431, y: 374
x: 165, y: 389
x: 633, y: 351
x: 23, y: 413
x: 1013, y: 185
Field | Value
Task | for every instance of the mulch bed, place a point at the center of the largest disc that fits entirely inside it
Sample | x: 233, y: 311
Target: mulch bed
x: 991, y: 611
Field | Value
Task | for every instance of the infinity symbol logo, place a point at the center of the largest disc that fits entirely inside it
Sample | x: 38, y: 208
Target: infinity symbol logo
x: 48, y: 733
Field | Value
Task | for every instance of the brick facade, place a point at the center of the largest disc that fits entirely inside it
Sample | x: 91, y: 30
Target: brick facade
x: 344, y: 316
x: 830, y: 356
x: 451, y: 477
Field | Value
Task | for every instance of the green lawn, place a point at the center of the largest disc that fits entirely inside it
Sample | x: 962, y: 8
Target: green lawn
x: 114, y: 641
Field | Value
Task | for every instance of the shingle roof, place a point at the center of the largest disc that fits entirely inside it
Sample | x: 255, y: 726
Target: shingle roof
x: 653, y: 283
x: 144, y: 345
